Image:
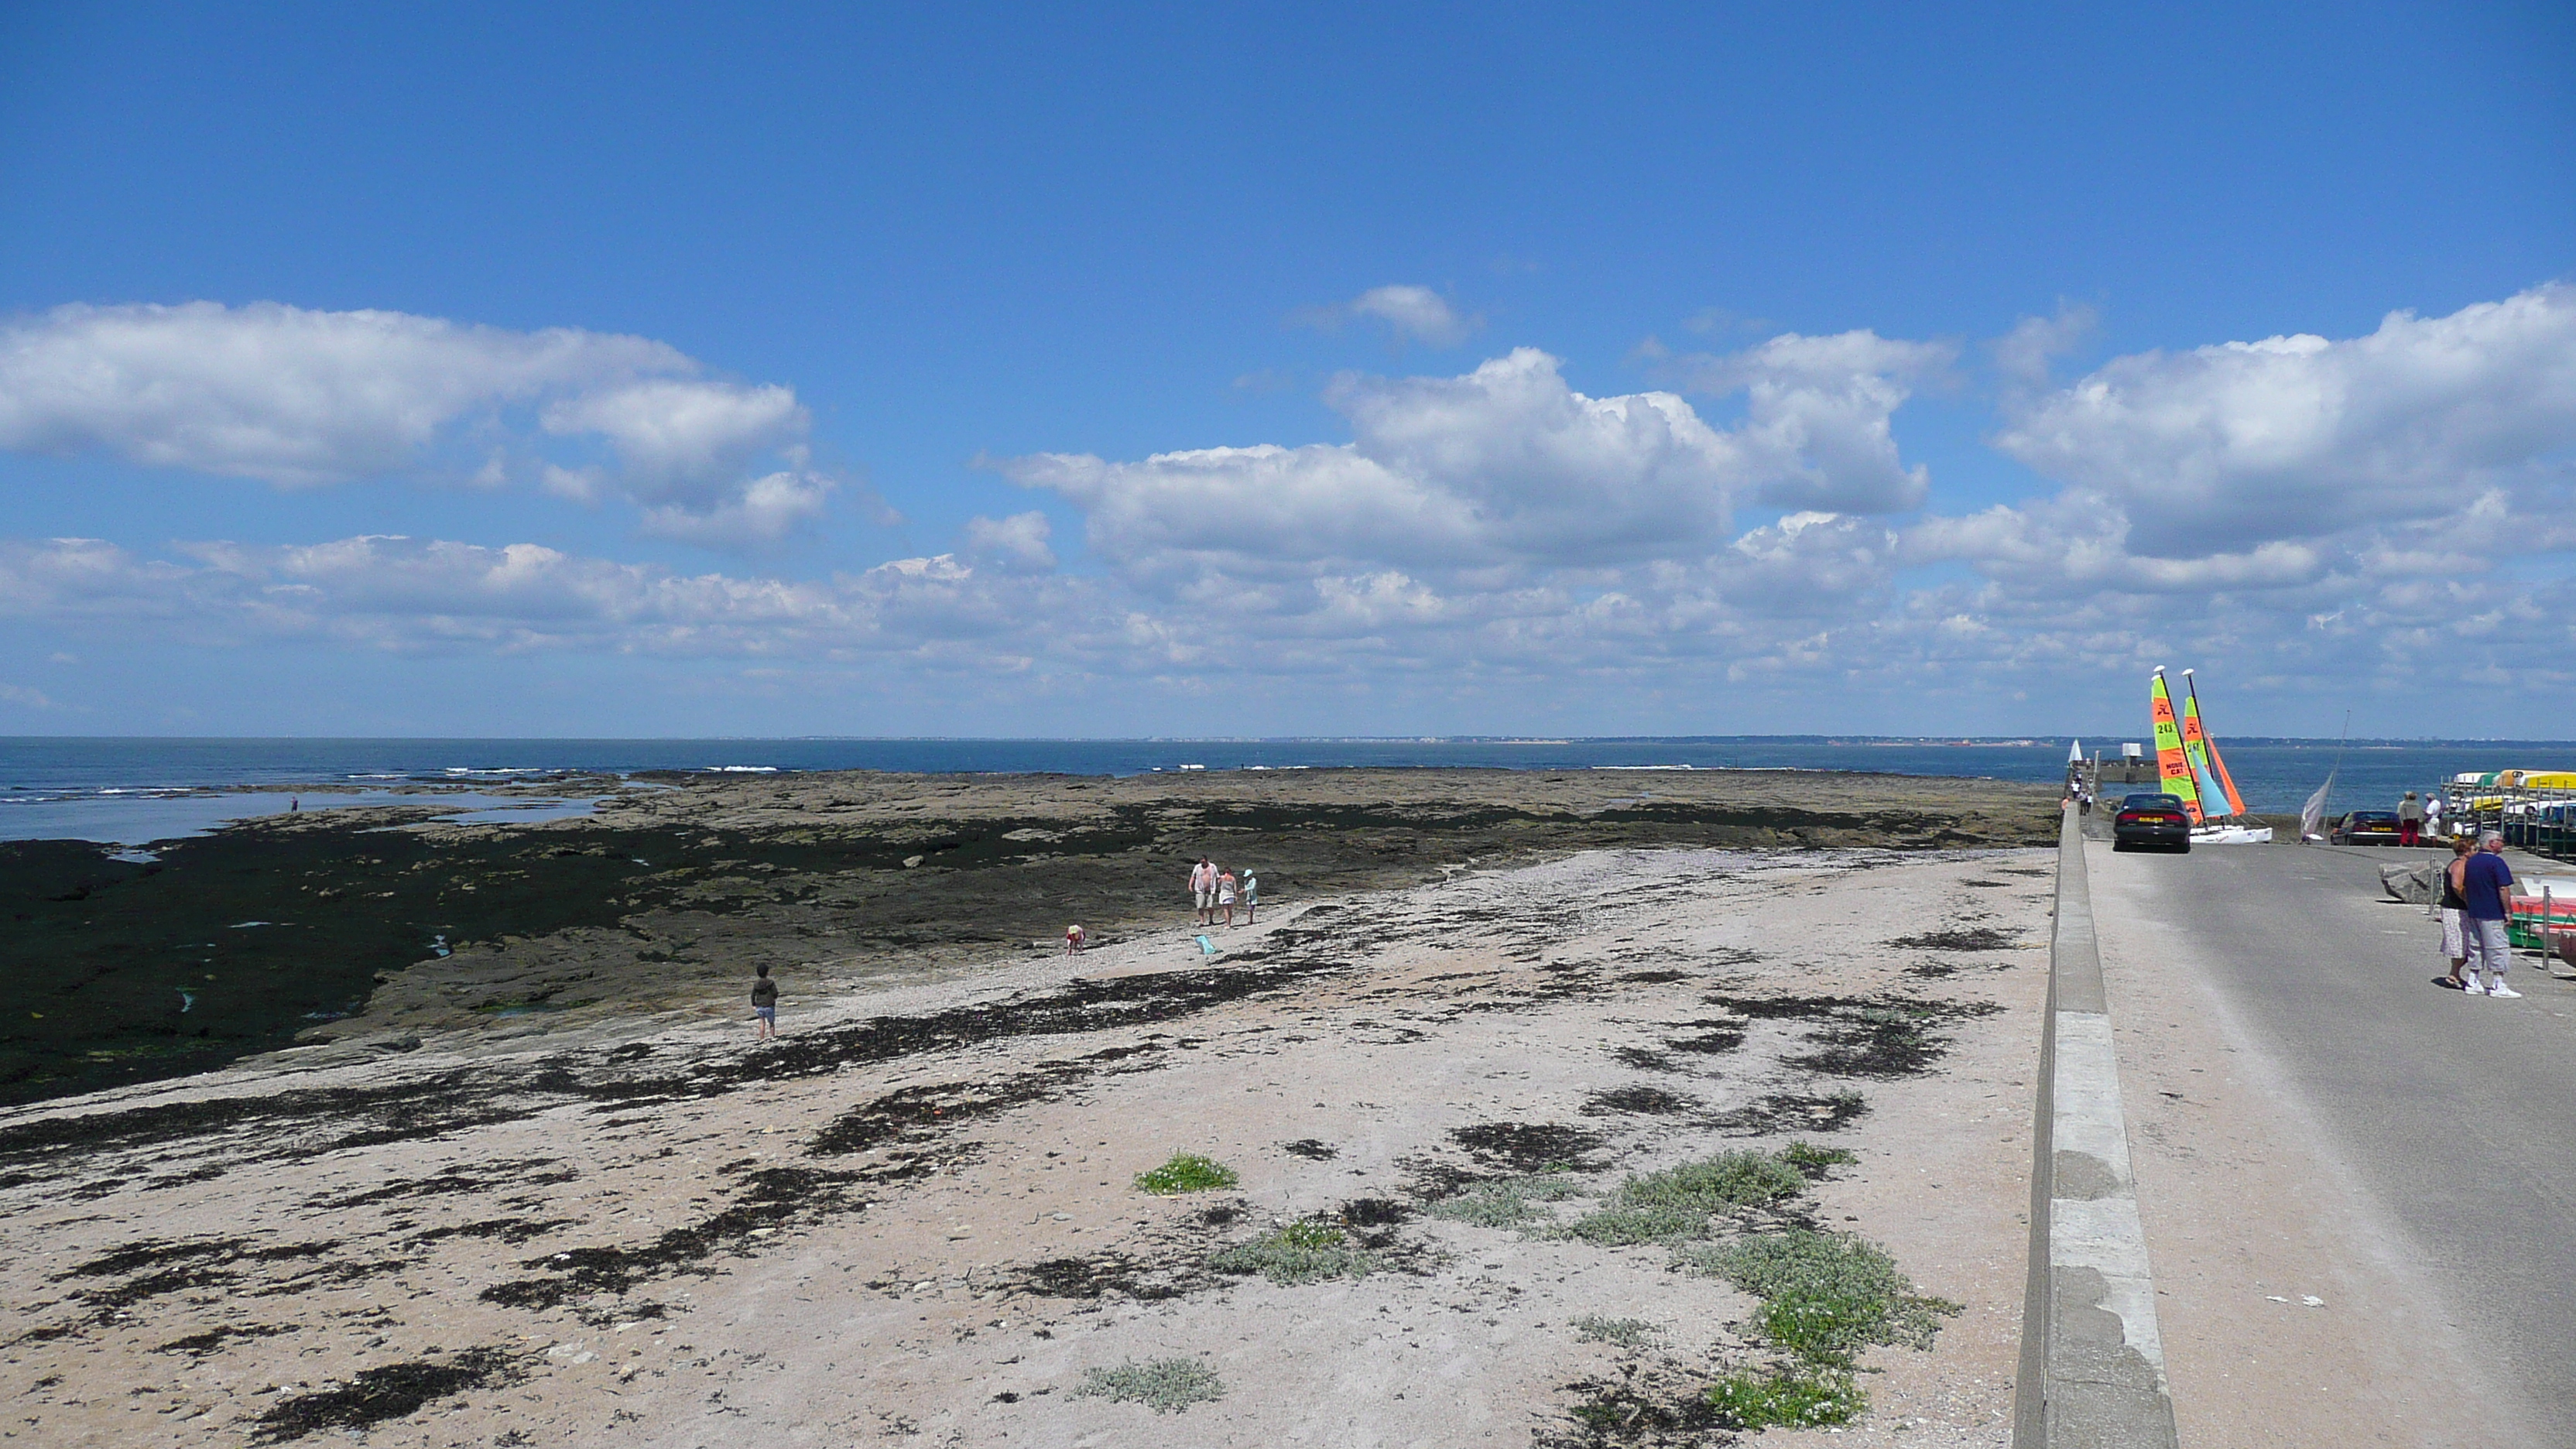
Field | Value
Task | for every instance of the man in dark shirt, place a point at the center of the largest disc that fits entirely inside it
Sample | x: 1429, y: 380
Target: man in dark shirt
x: 2486, y: 902
x: 764, y: 1002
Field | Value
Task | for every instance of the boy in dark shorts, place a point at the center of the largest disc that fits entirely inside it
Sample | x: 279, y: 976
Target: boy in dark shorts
x: 764, y: 1003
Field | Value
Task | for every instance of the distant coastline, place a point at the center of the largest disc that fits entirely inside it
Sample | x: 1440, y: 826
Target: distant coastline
x: 134, y: 789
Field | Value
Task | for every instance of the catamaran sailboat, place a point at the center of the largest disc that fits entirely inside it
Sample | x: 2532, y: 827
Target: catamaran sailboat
x: 2189, y: 766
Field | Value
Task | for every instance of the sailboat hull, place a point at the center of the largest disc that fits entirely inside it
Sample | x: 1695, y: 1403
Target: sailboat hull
x: 2231, y: 835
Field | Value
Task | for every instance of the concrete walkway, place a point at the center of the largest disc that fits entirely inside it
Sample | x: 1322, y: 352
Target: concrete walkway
x: 2356, y: 1186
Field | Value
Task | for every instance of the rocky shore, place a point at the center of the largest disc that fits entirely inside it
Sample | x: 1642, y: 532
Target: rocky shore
x: 373, y: 929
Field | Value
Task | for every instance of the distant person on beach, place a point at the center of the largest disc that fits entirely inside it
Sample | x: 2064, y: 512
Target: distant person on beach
x: 1203, y: 888
x: 764, y: 1003
x: 1074, y: 939
x: 1225, y: 894
x: 2452, y: 901
x: 1251, y: 894
x: 2485, y: 904
x: 2410, y: 819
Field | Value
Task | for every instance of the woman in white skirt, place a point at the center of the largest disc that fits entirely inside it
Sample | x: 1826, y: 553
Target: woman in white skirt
x: 2453, y: 945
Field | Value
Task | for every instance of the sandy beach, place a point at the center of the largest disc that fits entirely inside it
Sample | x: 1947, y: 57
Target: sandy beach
x: 915, y: 1218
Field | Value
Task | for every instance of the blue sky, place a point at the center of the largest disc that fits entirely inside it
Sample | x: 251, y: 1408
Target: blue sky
x: 1630, y: 370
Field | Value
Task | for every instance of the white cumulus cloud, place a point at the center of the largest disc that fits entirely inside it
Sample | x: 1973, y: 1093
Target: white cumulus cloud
x: 301, y: 398
x: 1505, y: 464
x: 1818, y: 414
x: 2241, y: 443
x: 1416, y: 313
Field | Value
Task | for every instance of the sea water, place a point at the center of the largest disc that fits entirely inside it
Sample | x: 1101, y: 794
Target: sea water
x: 132, y: 791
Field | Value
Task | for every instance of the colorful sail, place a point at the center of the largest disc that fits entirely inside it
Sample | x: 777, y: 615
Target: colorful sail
x: 2216, y: 785
x: 2173, y: 768
x: 2226, y: 781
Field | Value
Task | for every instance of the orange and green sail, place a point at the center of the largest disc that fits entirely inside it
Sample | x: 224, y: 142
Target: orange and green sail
x: 2173, y: 767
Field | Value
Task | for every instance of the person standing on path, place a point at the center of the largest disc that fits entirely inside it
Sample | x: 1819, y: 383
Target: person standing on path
x: 2485, y: 905
x: 2452, y: 900
x: 2410, y: 819
x: 764, y: 1003
x: 1203, y: 887
x: 2433, y: 813
x: 1251, y: 894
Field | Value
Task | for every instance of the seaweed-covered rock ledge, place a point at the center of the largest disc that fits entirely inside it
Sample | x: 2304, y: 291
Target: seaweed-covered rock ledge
x: 376, y: 929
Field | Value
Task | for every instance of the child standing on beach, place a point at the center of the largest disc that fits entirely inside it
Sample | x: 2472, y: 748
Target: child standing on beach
x: 764, y: 1003
x: 1251, y: 894
x: 1225, y: 894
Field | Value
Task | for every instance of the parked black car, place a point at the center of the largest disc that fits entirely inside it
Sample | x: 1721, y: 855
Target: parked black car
x: 2151, y: 820
x: 2366, y: 827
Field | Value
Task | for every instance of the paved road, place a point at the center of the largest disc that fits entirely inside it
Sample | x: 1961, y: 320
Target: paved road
x: 2456, y: 1112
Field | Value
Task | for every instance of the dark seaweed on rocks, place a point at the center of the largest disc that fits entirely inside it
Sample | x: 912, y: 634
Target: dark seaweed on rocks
x: 1310, y: 1149
x: 392, y: 1391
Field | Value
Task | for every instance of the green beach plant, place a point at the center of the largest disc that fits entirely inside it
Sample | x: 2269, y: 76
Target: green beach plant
x: 1675, y: 1204
x: 1825, y: 1295
x: 1624, y: 1332
x: 1506, y: 1202
x: 1309, y: 1250
x: 1187, y: 1172
x: 1165, y: 1385
x: 1788, y: 1398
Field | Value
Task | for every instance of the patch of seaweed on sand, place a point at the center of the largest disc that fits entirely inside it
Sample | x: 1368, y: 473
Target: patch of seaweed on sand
x: 773, y: 1198
x: 1712, y: 1037
x: 158, y: 1268
x: 1105, y: 1274
x: 389, y: 1391
x: 511, y: 1172
x: 1648, y: 1404
x: 1528, y: 1147
x: 1969, y: 938
x: 1636, y: 1101
x: 198, y: 1345
x: 1882, y: 1037
x: 1786, y: 1112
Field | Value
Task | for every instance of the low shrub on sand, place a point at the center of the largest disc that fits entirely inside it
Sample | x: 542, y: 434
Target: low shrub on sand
x: 1825, y: 1296
x: 1794, y: 1398
x: 1675, y: 1204
x: 1309, y: 1250
x: 1507, y: 1202
x: 1165, y: 1385
x: 1624, y: 1332
x: 1187, y: 1172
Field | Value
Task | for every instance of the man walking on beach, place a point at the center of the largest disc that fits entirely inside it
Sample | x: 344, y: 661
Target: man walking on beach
x: 1203, y: 888
x: 2486, y: 904
x: 764, y: 1003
